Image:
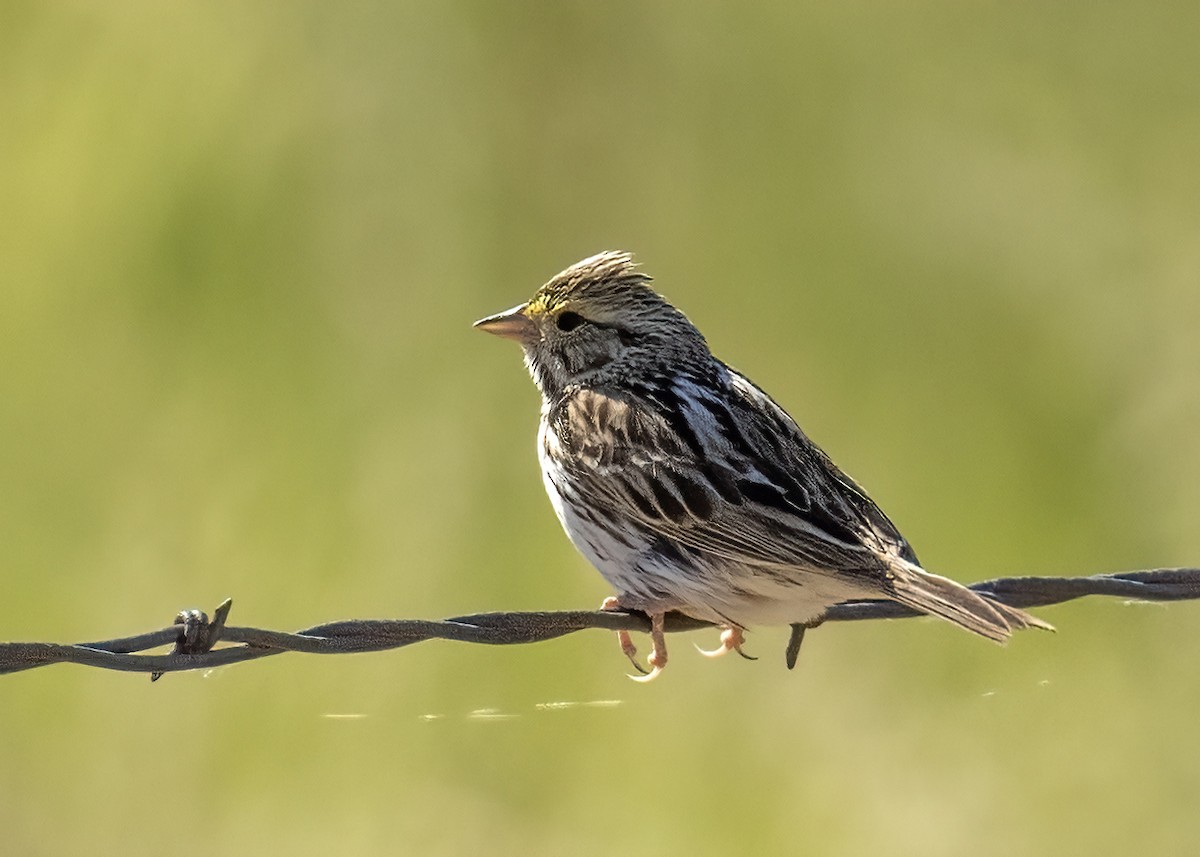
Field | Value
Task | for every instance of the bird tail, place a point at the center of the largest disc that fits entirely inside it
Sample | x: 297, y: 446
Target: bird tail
x: 939, y: 596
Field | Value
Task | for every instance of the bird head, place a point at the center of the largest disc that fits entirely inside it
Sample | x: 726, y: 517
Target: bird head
x: 597, y: 320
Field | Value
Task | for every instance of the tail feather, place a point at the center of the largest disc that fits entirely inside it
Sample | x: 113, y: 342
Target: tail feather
x: 939, y: 596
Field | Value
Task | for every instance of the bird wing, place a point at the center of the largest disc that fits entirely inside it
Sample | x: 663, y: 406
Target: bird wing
x: 721, y: 468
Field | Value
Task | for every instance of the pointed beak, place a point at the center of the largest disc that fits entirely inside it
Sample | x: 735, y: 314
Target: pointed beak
x: 511, y: 324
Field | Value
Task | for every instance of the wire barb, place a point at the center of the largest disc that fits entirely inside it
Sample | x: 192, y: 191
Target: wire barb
x: 198, y: 635
x: 195, y: 637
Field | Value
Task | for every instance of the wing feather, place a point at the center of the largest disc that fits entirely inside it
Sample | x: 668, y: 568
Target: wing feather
x: 733, y: 477
x: 720, y: 470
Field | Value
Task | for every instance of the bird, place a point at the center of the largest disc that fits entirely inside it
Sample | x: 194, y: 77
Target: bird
x: 689, y: 488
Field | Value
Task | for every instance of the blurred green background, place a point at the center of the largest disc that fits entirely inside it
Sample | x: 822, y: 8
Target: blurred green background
x: 241, y: 246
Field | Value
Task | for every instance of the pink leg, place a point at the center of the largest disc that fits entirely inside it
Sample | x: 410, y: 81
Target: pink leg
x: 626, y: 641
x: 658, y: 650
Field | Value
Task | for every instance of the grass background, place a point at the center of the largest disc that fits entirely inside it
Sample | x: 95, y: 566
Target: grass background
x: 241, y: 246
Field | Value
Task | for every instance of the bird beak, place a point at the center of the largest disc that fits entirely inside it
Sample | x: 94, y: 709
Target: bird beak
x: 513, y: 323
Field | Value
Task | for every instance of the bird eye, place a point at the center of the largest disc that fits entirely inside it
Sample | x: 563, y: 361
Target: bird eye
x: 568, y: 321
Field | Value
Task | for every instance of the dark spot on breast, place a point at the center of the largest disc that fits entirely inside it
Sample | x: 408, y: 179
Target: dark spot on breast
x: 598, y: 550
x: 560, y: 423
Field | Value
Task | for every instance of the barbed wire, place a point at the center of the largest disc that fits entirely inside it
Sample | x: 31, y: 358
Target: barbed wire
x: 195, y: 636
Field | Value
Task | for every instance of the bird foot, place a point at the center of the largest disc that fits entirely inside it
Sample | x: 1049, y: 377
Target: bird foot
x: 731, y: 640
x: 646, y: 677
x: 658, y: 652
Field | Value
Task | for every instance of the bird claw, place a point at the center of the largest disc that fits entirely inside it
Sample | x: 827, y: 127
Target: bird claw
x: 731, y: 640
x: 657, y: 660
x: 632, y: 655
x: 646, y: 677
x: 629, y: 649
x: 624, y: 638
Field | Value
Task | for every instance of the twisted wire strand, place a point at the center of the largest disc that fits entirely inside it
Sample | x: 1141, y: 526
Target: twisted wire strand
x: 195, y: 637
